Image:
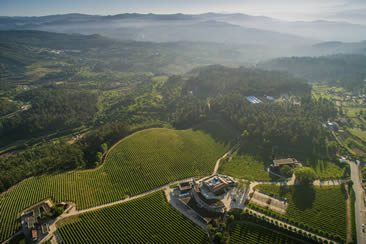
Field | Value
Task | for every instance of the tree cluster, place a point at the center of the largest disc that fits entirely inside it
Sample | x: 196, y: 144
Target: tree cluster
x: 51, y: 110
x: 279, y: 128
x: 344, y: 70
x: 46, y: 158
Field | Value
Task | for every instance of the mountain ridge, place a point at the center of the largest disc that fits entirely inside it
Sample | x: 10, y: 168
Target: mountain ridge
x: 321, y: 30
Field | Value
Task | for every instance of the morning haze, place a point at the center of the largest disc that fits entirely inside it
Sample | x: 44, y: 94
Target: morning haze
x: 182, y: 121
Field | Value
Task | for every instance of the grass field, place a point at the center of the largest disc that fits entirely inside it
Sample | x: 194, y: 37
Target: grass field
x: 146, y: 220
x: 245, y: 167
x: 353, y: 137
x: 328, y: 170
x: 354, y: 145
x: 327, y: 92
x: 361, y: 134
x: 249, y: 234
x: 322, y: 208
x: 138, y: 163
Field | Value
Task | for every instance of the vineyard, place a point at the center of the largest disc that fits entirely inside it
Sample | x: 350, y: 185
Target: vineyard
x: 322, y: 208
x: 138, y: 163
x: 145, y: 220
x: 328, y: 170
x: 245, y: 167
x: 250, y: 234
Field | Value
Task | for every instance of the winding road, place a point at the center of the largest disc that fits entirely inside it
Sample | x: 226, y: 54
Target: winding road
x: 74, y: 212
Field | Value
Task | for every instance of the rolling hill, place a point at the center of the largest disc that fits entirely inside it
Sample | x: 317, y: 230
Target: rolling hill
x: 138, y: 163
x: 155, y: 28
x: 345, y: 70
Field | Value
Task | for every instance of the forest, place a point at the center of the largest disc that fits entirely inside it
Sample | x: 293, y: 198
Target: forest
x: 345, y: 70
x: 285, y: 129
x: 69, y: 90
x: 51, y: 110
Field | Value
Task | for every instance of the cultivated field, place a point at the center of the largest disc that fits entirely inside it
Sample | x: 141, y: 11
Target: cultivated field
x: 249, y: 234
x: 146, y: 220
x: 352, y: 110
x: 328, y: 170
x: 322, y: 208
x: 245, y: 167
x: 138, y: 163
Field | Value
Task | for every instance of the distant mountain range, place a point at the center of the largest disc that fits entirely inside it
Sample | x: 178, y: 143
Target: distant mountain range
x: 209, y: 27
x: 319, y: 30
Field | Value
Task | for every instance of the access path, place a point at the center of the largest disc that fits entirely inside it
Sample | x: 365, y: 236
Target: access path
x: 360, y: 208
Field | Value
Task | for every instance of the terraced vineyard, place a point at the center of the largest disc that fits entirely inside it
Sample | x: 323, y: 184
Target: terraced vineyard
x: 146, y: 220
x: 248, y: 234
x: 322, y: 208
x: 138, y: 163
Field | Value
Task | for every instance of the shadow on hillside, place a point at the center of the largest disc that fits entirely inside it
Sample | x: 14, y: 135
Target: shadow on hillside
x: 220, y: 130
x: 303, y: 196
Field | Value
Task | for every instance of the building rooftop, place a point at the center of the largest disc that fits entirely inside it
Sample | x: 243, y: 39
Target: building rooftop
x: 215, y: 183
x: 184, y: 186
x: 30, y: 222
x: 253, y: 100
x: 34, y: 235
x: 284, y: 161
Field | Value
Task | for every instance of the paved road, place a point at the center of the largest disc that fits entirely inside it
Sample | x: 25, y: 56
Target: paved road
x: 360, y: 209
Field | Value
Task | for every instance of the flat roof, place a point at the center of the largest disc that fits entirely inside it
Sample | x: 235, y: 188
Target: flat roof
x: 30, y: 222
x: 216, y: 183
x: 185, y: 185
x: 253, y: 99
x: 284, y: 161
x: 34, y: 234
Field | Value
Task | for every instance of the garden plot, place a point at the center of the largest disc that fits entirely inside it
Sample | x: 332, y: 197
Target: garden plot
x: 269, y: 202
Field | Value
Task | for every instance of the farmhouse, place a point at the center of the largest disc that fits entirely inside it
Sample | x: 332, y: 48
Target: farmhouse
x: 35, y: 225
x: 292, y: 162
x: 277, y: 164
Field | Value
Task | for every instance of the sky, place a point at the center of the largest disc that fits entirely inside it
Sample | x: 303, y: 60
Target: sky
x: 281, y: 9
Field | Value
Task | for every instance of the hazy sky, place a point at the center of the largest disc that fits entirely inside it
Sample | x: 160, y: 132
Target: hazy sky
x: 283, y: 9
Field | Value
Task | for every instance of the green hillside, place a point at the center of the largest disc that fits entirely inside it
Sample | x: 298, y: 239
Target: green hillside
x: 146, y: 220
x: 136, y: 164
x: 245, y: 167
